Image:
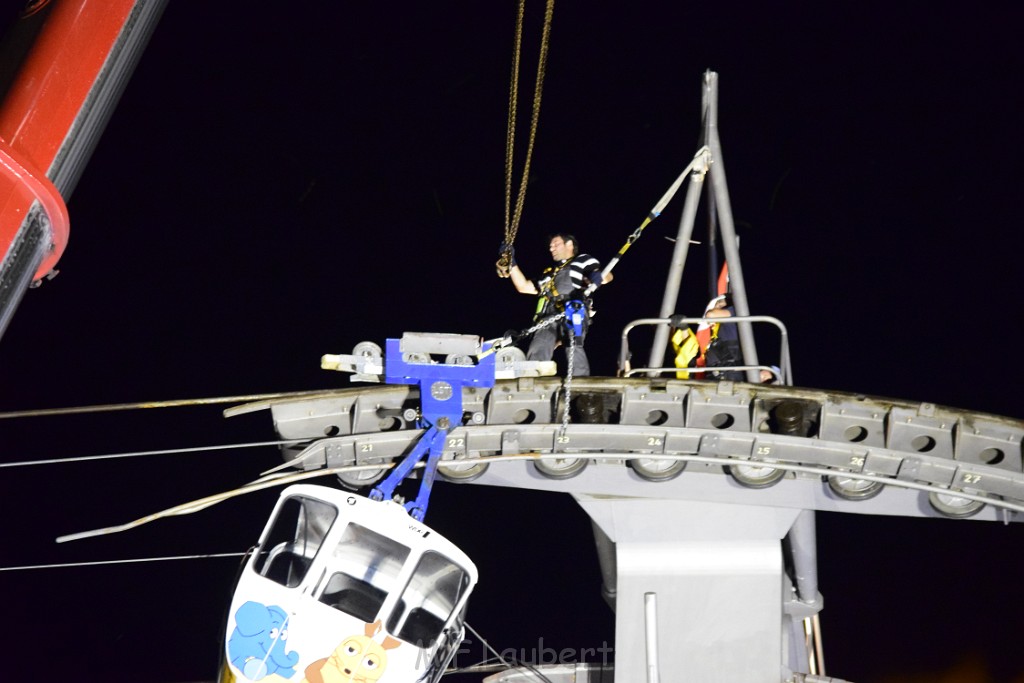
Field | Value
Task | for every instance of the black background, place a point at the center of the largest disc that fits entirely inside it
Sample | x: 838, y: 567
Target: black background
x: 285, y: 181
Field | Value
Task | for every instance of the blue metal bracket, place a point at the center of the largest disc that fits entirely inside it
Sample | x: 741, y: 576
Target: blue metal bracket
x: 441, y: 387
x: 575, y: 315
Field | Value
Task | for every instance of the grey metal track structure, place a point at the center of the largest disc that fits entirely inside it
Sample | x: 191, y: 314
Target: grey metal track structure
x: 691, y: 487
x: 666, y: 438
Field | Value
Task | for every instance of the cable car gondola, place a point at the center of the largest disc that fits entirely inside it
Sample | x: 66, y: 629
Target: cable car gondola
x: 342, y: 587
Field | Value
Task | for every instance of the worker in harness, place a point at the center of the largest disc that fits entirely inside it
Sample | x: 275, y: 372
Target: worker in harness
x: 566, y: 281
x: 713, y: 345
x: 722, y: 348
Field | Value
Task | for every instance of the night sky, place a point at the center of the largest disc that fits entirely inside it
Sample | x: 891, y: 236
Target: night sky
x: 292, y: 180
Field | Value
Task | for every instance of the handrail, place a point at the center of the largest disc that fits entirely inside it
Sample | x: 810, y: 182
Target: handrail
x: 775, y: 372
x: 785, y: 373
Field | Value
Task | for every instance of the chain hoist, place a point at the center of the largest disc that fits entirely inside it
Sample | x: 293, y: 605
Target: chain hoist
x: 513, y: 215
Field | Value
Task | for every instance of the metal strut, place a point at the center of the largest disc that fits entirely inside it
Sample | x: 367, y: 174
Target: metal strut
x: 407, y: 361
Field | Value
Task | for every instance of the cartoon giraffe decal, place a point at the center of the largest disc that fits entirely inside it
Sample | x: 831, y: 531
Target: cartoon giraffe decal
x: 359, y: 659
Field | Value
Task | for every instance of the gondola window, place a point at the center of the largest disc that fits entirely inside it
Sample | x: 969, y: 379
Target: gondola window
x: 428, y: 600
x: 294, y: 539
x: 366, y: 567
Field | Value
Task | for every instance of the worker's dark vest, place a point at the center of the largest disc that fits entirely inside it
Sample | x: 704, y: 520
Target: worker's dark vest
x: 724, y: 350
x: 559, y: 284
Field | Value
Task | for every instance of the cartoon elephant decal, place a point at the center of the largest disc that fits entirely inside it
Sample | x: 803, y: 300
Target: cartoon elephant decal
x: 257, y: 645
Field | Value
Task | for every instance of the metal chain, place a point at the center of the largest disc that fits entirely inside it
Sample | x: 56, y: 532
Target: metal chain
x: 546, y: 322
x: 513, y: 99
x: 568, y: 380
x: 512, y: 218
x: 535, y: 117
x: 510, y: 339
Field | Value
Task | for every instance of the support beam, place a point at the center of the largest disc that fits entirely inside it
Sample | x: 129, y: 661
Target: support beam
x: 726, y: 224
x: 716, y: 572
x: 675, y: 273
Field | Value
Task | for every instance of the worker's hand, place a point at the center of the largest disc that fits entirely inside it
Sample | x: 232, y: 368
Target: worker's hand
x: 506, y: 260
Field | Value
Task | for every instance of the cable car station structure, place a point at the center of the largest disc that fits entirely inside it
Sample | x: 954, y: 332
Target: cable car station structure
x: 702, y: 494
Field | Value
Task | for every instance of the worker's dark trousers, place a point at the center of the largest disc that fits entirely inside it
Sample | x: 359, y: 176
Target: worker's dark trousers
x: 542, y: 347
